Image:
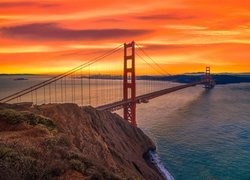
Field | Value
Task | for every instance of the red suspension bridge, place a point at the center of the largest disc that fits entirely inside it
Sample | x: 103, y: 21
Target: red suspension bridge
x: 107, y: 85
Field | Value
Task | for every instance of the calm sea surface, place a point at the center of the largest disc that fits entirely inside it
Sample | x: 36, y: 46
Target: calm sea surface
x: 202, y: 134
x: 199, y: 134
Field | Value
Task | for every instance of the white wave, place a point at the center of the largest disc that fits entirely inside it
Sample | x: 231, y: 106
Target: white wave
x: 154, y: 158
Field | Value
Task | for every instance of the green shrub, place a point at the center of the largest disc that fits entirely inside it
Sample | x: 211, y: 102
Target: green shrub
x: 60, y: 141
x: 31, y: 151
x: 48, y: 123
x: 18, y: 165
x: 15, y: 117
x: 110, y: 175
x: 64, y: 140
x: 11, y: 116
x: 30, y: 118
x: 78, y: 165
x: 50, y: 142
x: 5, y: 151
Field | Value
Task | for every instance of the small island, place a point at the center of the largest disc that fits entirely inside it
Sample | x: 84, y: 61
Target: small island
x: 20, y: 79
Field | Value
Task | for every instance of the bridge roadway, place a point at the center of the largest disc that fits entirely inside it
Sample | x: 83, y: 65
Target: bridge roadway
x: 145, y: 97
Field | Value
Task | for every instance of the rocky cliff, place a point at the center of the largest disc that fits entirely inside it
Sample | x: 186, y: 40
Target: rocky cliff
x: 65, y: 141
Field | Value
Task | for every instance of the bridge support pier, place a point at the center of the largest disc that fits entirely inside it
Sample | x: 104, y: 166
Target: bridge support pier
x: 129, y: 87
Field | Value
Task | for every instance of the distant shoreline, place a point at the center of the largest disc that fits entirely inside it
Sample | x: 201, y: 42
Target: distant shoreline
x: 21, y: 74
x: 221, y: 79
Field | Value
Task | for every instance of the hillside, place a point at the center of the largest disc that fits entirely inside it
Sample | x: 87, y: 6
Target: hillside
x: 64, y: 141
x: 189, y: 78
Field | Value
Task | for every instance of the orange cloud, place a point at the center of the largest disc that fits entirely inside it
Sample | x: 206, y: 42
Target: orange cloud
x: 181, y: 35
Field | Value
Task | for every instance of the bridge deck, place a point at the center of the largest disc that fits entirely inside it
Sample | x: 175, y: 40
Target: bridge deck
x: 145, y: 97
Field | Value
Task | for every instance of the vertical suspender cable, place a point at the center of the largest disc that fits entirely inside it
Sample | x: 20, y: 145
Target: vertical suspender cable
x: 36, y: 97
x: 65, y: 88
x: 81, y: 89
x: 62, y: 90
x: 74, y: 75
x: 72, y: 93
x: 50, y: 93
x: 44, y: 95
x: 55, y: 93
x: 31, y: 96
x: 89, y: 88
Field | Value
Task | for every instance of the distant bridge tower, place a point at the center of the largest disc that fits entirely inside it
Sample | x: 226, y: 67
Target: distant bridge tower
x: 129, y: 88
x: 208, y: 81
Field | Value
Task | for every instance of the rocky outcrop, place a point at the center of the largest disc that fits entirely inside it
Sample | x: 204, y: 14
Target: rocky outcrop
x: 66, y: 141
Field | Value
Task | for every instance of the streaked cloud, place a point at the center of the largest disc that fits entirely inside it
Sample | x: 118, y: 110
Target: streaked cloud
x: 25, y: 4
x: 217, y: 32
x: 185, y: 27
x: 51, y: 32
x: 26, y: 49
x: 178, y: 34
x: 173, y: 16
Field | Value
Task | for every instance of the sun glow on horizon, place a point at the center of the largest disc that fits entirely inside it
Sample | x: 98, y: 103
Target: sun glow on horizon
x: 182, y: 35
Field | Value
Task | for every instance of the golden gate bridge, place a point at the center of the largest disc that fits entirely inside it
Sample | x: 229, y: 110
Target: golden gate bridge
x: 111, y: 90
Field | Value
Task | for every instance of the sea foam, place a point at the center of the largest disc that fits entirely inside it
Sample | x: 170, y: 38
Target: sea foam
x: 154, y: 158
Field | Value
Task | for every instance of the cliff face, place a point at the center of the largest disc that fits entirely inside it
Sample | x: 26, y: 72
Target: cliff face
x: 68, y: 142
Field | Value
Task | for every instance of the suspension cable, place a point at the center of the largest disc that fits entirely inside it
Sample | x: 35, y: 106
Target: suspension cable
x: 146, y: 54
x: 39, y: 85
x: 150, y: 64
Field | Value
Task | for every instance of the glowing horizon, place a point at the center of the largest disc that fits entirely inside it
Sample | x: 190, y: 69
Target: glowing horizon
x: 183, y: 36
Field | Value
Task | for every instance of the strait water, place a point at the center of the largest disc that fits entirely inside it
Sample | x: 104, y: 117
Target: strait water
x: 199, y: 134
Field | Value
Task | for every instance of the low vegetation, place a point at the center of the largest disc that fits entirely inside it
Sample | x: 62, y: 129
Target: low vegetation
x: 78, y: 165
x: 17, y: 163
x: 14, y: 117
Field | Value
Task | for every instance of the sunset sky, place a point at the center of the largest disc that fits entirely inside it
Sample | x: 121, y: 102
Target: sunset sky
x: 53, y: 36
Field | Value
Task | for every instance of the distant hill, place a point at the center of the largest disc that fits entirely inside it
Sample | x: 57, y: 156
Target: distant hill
x: 187, y: 78
x: 226, y: 79
x: 18, y: 74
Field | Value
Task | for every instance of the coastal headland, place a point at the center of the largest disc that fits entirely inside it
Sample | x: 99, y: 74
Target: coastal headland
x: 66, y: 141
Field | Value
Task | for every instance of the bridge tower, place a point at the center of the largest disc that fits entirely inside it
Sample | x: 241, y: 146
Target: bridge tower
x: 209, y: 83
x: 129, y: 87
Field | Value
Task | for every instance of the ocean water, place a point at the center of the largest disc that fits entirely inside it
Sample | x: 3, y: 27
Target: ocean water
x: 200, y: 134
